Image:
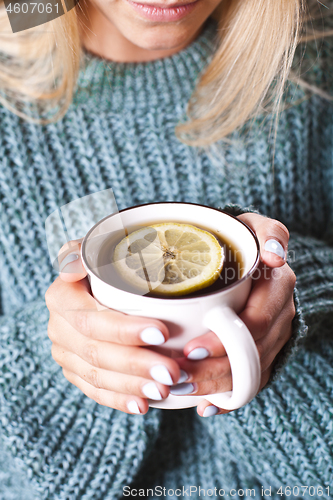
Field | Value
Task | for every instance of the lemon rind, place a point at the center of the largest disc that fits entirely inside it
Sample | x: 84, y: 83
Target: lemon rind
x: 203, y: 280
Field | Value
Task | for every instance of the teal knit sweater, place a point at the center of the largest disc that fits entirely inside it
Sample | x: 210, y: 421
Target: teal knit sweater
x: 119, y: 133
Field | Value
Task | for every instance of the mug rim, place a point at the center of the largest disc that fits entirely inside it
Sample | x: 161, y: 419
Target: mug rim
x: 224, y: 290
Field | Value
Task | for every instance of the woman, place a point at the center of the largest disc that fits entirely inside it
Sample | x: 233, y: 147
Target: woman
x: 140, y: 66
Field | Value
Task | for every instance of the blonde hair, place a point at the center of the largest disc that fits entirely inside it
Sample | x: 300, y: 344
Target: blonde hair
x: 39, y: 65
x: 317, y: 26
x: 257, y: 41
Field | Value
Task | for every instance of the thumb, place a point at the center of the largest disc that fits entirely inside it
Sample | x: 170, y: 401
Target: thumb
x: 273, y: 238
x: 70, y: 263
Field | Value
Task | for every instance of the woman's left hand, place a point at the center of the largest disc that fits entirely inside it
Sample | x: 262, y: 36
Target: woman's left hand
x: 268, y: 314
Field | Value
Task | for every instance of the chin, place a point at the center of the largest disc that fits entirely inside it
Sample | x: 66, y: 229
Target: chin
x: 166, y: 37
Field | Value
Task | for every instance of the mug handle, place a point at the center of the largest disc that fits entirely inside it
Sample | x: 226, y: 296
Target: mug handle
x: 243, y: 357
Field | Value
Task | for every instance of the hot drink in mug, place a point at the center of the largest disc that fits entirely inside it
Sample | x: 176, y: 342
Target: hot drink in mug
x: 189, y: 266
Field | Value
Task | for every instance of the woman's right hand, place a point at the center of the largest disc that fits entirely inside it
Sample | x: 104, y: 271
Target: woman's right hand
x: 102, y: 351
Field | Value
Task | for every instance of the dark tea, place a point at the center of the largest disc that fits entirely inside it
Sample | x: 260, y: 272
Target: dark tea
x: 232, y: 270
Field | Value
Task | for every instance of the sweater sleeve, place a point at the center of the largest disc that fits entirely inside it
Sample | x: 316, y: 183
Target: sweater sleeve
x: 67, y: 445
x: 311, y: 260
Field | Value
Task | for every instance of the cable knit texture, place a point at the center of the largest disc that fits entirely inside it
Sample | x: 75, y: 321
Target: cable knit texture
x: 119, y: 133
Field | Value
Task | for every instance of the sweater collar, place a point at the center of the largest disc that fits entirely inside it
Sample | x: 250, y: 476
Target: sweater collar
x: 159, y: 83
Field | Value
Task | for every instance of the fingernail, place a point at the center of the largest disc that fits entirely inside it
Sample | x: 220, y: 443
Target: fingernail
x: 183, y: 377
x: 198, y: 353
x: 150, y: 390
x: 133, y: 407
x: 67, y: 260
x: 152, y: 336
x: 275, y: 247
x: 180, y: 389
x: 161, y: 374
x: 210, y: 411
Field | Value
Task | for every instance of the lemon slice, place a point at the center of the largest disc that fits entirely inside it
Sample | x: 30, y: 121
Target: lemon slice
x: 169, y: 259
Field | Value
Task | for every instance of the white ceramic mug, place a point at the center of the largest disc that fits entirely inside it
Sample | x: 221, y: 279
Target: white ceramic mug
x: 187, y: 318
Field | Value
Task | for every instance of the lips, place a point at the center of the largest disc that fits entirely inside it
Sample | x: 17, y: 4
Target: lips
x: 163, y: 6
x: 162, y: 12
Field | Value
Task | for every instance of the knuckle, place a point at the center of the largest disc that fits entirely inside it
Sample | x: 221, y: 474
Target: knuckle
x: 131, y: 387
x: 83, y: 322
x: 55, y: 353
x: 134, y: 363
x: 292, y: 310
x: 209, y: 374
x: 212, y: 387
x: 265, y: 364
x: 265, y: 321
x: 214, y: 370
x: 120, y: 332
x: 93, y: 378
x: 118, y: 402
x: 91, y: 353
x: 49, y: 298
x: 50, y: 332
x: 97, y: 395
x: 52, y: 329
x: 216, y: 385
x: 260, y: 349
x: 117, y: 331
x: 276, y: 225
x: 68, y: 375
x: 292, y: 278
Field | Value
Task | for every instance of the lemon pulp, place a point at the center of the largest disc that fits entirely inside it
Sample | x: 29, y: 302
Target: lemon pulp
x: 169, y: 259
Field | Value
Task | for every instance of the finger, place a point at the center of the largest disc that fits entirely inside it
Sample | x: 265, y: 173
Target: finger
x: 205, y: 370
x: 123, y: 402
x: 204, y: 346
x: 216, y: 369
x: 73, y: 302
x: 273, y: 238
x: 269, y: 295
x: 70, y: 263
x: 207, y: 409
x: 270, y: 345
x: 111, y: 380
x: 128, y: 360
x: 283, y: 324
x: 221, y: 384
